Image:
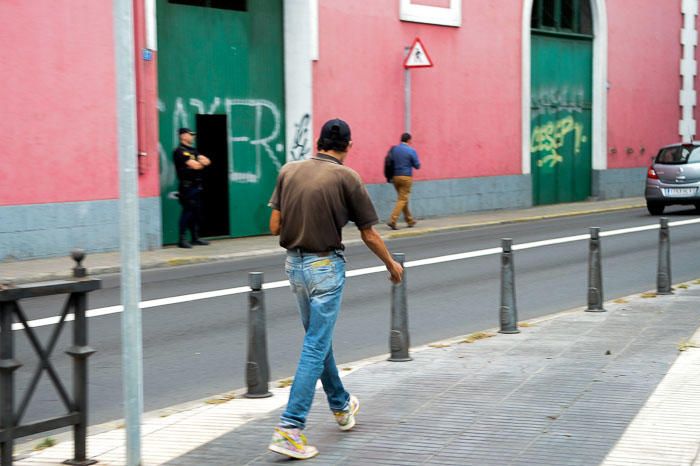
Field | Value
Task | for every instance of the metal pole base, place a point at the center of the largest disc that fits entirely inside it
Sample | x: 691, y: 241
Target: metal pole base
x: 509, y: 332
x: 664, y: 292
x: 80, y: 462
x: 400, y: 359
x: 258, y: 395
x: 597, y: 310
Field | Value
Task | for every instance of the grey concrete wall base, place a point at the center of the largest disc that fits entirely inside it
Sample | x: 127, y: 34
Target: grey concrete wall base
x: 46, y: 230
x: 615, y: 183
x: 457, y: 196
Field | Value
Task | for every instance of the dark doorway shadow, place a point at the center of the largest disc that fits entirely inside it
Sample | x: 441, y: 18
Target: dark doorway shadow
x: 212, y: 142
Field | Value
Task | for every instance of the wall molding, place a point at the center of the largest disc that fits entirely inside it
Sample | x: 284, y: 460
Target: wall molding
x: 300, y: 49
x: 689, y: 69
x: 416, y: 13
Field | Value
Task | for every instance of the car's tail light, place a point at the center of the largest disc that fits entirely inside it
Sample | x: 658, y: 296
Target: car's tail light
x: 651, y: 174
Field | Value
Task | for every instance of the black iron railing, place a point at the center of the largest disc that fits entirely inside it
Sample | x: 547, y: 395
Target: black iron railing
x: 11, y: 312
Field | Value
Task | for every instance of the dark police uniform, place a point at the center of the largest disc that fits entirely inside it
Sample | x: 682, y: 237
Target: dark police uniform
x: 189, y: 191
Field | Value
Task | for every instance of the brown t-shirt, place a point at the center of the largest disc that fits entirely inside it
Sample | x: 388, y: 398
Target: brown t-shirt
x: 316, y: 199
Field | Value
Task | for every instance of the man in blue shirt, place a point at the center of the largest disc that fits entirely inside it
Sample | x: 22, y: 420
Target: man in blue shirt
x: 405, y: 159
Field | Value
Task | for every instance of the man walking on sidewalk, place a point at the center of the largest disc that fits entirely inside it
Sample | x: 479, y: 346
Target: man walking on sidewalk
x: 312, y: 201
x: 405, y: 159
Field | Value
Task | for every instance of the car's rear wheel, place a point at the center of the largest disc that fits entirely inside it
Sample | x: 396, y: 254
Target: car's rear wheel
x: 655, y: 209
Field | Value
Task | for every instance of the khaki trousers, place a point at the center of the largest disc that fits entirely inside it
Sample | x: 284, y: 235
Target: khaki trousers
x: 402, y: 184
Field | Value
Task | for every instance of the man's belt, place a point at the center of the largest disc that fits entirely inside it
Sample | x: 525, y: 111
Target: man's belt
x: 305, y: 252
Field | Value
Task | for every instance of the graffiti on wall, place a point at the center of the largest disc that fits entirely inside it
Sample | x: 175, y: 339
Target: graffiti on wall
x: 263, y: 141
x: 548, y: 100
x: 301, y: 144
x: 552, y: 136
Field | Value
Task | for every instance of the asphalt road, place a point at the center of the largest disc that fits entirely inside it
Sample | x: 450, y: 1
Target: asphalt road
x: 198, y: 349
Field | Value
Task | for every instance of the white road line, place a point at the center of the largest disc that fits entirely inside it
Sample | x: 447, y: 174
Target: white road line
x: 352, y: 273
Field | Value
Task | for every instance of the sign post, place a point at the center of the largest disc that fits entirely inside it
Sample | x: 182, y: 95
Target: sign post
x: 416, y: 57
x: 132, y: 346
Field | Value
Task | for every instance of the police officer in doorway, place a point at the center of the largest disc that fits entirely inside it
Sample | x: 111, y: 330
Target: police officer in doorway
x: 189, y: 164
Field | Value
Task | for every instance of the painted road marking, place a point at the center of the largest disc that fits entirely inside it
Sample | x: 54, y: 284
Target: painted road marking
x: 103, y: 311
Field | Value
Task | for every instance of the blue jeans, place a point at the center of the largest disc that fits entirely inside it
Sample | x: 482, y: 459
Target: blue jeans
x: 318, y: 283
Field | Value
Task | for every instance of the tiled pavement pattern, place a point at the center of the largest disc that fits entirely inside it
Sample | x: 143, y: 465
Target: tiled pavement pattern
x: 666, y: 431
x: 562, y: 392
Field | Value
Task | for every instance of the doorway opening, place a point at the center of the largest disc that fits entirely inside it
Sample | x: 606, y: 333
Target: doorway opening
x: 212, y: 141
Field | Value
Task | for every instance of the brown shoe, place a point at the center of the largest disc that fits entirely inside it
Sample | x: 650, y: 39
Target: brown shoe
x: 411, y: 225
x: 392, y: 226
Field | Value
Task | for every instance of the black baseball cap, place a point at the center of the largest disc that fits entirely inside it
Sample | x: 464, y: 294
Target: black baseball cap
x: 336, y: 130
x: 185, y: 130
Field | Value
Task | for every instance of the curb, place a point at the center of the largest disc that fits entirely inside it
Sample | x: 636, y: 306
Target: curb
x: 193, y: 260
x: 466, y: 226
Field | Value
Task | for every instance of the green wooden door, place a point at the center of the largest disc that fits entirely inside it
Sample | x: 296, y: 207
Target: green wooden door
x: 560, y: 141
x: 219, y: 61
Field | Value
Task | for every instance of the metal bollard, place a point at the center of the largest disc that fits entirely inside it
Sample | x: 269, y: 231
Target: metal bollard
x: 399, y: 341
x: 257, y: 368
x: 79, y: 271
x: 508, y: 312
x: 663, y: 275
x: 595, y: 273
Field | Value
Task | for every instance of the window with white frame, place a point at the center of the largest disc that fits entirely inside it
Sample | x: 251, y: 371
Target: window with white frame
x: 441, y: 12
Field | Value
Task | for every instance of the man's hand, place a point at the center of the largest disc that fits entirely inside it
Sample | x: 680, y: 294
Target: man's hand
x: 204, y: 160
x: 395, y: 272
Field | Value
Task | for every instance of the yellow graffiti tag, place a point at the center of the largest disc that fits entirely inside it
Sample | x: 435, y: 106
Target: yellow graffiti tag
x: 551, y: 136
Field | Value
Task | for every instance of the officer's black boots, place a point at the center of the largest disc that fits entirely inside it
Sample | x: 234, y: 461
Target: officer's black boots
x: 183, y: 243
x: 196, y: 240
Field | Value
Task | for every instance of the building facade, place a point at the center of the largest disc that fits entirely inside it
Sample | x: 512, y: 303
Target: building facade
x: 529, y: 102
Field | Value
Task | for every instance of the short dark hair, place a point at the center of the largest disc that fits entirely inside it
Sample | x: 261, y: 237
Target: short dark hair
x: 405, y: 137
x: 332, y: 144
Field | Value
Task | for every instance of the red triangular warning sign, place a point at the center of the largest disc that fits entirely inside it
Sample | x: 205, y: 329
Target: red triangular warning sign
x: 417, y: 56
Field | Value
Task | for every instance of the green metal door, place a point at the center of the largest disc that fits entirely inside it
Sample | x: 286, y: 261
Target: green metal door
x: 561, y: 80
x: 223, y: 61
x: 561, y: 119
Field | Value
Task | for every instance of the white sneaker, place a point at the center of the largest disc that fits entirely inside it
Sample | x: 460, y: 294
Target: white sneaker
x: 346, y: 419
x: 292, y: 443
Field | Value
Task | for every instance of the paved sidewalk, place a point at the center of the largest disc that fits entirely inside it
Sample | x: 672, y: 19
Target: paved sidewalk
x: 577, y: 388
x: 99, y: 263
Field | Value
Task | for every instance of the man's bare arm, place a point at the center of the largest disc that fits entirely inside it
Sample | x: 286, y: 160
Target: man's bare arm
x: 375, y: 243
x: 194, y: 165
x: 275, y: 223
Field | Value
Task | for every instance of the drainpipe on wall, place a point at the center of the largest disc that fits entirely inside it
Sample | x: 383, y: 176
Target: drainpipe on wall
x: 689, y: 69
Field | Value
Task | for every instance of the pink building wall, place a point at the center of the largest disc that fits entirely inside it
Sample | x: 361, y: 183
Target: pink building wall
x: 59, y: 104
x: 466, y: 119
x: 466, y: 110
x: 644, y: 53
x: 147, y: 108
x: 696, y: 113
x: 58, y: 101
